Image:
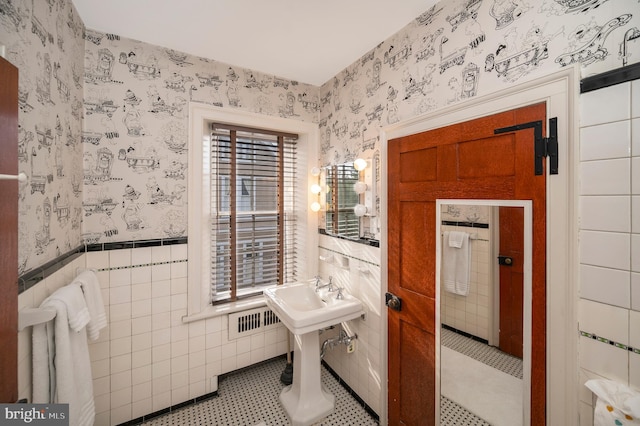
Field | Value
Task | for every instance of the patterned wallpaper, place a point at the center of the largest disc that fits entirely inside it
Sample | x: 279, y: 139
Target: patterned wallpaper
x: 459, y: 49
x: 44, y: 40
x: 103, y: 119
x: 135, y: 133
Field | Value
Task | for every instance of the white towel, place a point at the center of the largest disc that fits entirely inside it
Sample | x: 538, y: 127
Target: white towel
x: 616, y: 403
x: 456, y: 263
x: 88, y: 280
x: 456, y: 239
x: 72, y: 382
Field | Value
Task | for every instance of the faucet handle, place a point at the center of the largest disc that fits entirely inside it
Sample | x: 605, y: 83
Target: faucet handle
x: 340, y: 296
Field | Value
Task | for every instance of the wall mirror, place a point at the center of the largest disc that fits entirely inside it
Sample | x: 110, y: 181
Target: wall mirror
x: 483, y: 310
x: 340, y: 219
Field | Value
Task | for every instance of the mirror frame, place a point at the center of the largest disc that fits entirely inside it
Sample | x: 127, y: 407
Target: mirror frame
x: 527, y: 291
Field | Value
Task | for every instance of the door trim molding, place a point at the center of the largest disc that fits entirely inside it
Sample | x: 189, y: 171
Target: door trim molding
x: 560, y: 91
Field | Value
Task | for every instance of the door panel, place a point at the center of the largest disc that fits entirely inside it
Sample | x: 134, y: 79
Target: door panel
x: 8, y: 233
x: 471, y: 163
x: 511, y: 280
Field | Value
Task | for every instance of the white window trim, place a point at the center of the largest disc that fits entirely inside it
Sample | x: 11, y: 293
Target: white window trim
x: 198, y: 306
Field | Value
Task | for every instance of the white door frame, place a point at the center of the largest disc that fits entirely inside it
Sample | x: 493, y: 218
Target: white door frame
x: 560, y: 91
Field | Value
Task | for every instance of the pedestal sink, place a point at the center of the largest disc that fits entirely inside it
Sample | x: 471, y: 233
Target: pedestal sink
x: 304, y: 312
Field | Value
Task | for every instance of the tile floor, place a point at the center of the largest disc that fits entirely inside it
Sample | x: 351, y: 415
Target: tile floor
x: 250, y: 396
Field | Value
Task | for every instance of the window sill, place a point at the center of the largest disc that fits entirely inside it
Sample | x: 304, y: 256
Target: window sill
x: 212, y: 311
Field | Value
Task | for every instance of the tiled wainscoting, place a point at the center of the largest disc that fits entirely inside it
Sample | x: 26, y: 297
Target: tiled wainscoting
x: 147, y: 359
x: 356, y: 267
x: 609, y: 306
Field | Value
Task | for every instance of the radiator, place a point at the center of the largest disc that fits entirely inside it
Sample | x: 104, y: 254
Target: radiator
x: 250, y: 322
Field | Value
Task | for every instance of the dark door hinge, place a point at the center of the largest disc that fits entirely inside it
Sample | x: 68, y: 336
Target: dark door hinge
x: 543, y: 147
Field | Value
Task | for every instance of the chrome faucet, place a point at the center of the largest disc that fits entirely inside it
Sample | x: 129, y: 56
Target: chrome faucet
x: 330, y: 284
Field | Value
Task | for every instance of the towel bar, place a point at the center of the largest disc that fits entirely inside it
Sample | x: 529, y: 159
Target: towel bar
x: 32, y: 316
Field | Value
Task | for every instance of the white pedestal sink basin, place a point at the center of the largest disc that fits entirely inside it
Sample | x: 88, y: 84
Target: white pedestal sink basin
x: 304, y: 312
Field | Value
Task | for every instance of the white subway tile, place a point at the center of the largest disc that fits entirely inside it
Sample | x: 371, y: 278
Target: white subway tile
x: 179, y: 394
x: 141, y: 342
x: 604, y: 360
x: 99, y: 350
x: 141, y: 325
x: 605, y: 213
x: 635, y: 137
x: 604, y: 320
x: 197, y: 374
x: 161, y: 272
x: 196, y: 344
x: 179, y: 251
x: 197, y: 389
x: 179, y: 301
x: 97, y: 259
x: 161, y: 304
x: 141, y: 275
x: 160, y: 254
x: 213, y: 355
x: 120, y: 346
x: 605, y: 177
x: 180, y: 334
x: 257, y: 341
x: 634, y: 372
x: 102, y: 403
x: 119, y: 258
x: 161, y: 288
x: 161, y: 337
x: 141, y: 408
x: 243, y: 345
x: 606, y: 249
x: 119, y: 312
x: 178, y: 286
x: 161, y: 400
x: 161, y: 353
x: 634, y: 329
x: 176, y: 315
x: 179, y: 270
x: 243, y: 360
x: 161, y: 321
x: 635, y: 252
x: 120, y: 381
x: 159, y: 370
x: 180, y: 363
x: 122, y: 413
x: 119, y: 277
x: 120, y: 364
x: 100, y: 368
x: 103, y: 419
x: 141, y: 375
x: 635, y: 214
x: 635, y: 176
x: 635, y: 98
x: 197, y: 359
x: 197, y: 328
x: 605, y: 141
x: 635, y: 291
x: 120, y: 294
x: 102, y: 385
x: 605, y: 285
x: 141, y: 358
x: 606, y: 105
x: 142, y: 391
x: 140, y: 308
x: 141, y: 256
x: 228, y: 364
x: 213, y: 324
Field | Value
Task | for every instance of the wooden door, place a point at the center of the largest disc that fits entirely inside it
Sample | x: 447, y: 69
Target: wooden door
x: 462, y: 161
x: 8, y: 233
x: 511, y: 279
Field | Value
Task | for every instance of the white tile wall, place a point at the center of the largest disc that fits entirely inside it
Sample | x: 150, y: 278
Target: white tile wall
x: 361, y: 370
x: 147, y: 359
x: 609, y: 237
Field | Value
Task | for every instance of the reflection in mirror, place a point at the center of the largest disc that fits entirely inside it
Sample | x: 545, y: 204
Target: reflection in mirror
x: 341, y: 198
x: 484, y: 283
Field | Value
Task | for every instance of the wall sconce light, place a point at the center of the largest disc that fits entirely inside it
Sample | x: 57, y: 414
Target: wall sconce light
x: 365, y: 187
x: 316, y: 189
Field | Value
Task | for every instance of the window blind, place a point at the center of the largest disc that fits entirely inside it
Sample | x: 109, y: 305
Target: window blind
x: 253, y: 211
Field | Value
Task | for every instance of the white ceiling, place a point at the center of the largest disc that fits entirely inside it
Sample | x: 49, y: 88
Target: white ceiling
x: 302, y: 40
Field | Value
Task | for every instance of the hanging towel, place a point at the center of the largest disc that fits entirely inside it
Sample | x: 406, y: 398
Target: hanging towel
x: 88, y: 281
x: 456, y: 262
x: 71, y: 381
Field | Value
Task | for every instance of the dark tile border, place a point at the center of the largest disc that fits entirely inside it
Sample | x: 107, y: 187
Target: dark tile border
x: 465, y: 334
x: 610, y: 78
x: 466, y: 224
x: 34, y: 276
x: 365, y: 241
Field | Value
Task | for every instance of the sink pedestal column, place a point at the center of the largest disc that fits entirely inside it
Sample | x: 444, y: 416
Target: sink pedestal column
x: 305, y: 401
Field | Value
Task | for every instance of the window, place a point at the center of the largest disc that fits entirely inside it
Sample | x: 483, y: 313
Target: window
x: 253, y: 229
x: 205, y: 295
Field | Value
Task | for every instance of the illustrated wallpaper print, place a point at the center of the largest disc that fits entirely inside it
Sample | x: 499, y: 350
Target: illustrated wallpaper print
x: 119, y: 106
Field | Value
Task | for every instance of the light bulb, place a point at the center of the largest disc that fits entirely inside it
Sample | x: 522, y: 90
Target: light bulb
x: 359, y: 187
x: 360, y: 164
x: 360, y: 209
x: 315, y: 171
x: 315, y: 206
x: 316, y: 189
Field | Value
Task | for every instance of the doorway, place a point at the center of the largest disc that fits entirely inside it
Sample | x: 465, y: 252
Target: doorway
x: 559, y: 93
